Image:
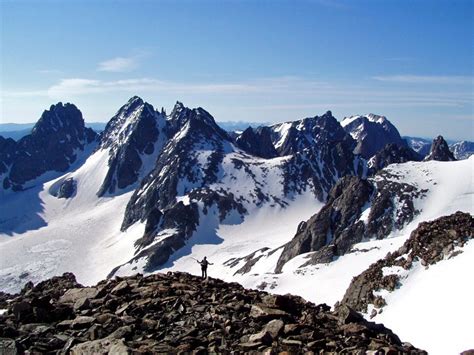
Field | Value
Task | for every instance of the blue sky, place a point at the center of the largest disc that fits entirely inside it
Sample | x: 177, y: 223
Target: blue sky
x: 263, y: 61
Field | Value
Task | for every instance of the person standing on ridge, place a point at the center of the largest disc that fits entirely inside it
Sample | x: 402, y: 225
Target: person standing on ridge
x: 204, y: 263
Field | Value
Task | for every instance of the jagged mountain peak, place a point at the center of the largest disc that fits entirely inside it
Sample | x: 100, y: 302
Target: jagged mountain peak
x: 440, y: 151
x: 59, y: 116
x: 127, y: 119
x: 134, y: 135
x: 191, y: 121
x: 53, y: 145
x: 372, y: 133
x: 291, y: 137
x: 364, y: 119
x: 376, y: 118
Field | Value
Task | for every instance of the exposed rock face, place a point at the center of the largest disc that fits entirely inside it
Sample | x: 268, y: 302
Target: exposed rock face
x: 392, y: 154
x: 429, y: 243
x: 189, y: 162
x: 7, y: 153
x: 197, y: 129
x: 132, y: 134
x: 179, y: 313
x: 257, y: 142
x: 52, y: 146
x: 355, y: 209
x: 440, y: 151
x: 333, y: 227
x: 67, y: 188
x: 321, y: 153
x: 462, y: 150
x: 372, y: 133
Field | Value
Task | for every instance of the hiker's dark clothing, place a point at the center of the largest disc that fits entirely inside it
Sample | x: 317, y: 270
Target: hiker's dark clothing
x: 204, y: 263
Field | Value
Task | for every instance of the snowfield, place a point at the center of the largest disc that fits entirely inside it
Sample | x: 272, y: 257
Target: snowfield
x: 42, y: 236
x: 81, y: 234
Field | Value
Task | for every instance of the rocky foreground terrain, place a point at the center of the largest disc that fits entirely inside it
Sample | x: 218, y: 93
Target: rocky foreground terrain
x: 178, y: 313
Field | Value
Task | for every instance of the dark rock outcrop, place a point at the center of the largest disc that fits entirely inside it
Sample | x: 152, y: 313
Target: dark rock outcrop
x: 429, y: 243
x: 51, y: 146
x: 179, y: 313
x: 440, y: 151
x: 340, y: 223
x: 257, y: 142
x: 372, y: 133
x: 333, y: 227
x: 67, y: 188
x: 392, y: 154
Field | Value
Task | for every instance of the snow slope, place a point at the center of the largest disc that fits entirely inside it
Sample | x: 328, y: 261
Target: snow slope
x: 434, y: 306
x: 81, y: 234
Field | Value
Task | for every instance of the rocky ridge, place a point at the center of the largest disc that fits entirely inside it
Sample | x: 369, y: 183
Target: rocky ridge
x: 180, y: 313
x: 430, y: 243
x: 392, y: 154
x: 356, y: 209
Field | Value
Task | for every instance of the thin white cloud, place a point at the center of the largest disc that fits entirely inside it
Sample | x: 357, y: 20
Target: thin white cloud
x: 80, y: 86
x: 426, y: 79
x: 265, y: 93
x: 119, y: 64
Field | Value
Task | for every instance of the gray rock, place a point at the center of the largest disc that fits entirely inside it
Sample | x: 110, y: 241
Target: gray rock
x: 82, y: 322
x: 81, y: 304
x: 263, y: 312
x: 263, y: 337
x: 274, y: 327
x: 73, y: 295
x: 101, y: 346
x: 8, y: 347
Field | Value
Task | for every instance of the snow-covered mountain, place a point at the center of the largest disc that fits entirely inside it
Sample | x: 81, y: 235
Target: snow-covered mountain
x: 462, y: 150
x: 372, y: 133
x: 155, y: 181
x: 420, y: 145
x: 284, y: 208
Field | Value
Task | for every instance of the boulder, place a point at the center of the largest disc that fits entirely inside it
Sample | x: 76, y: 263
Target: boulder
x: 73, y: 295
x: 101, y: 346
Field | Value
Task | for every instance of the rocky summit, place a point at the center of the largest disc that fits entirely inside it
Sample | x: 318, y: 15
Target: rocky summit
x: 440, y: 151
x: 179, y: 313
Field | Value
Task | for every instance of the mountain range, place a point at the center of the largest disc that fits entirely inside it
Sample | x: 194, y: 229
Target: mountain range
x: 299, y: 207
